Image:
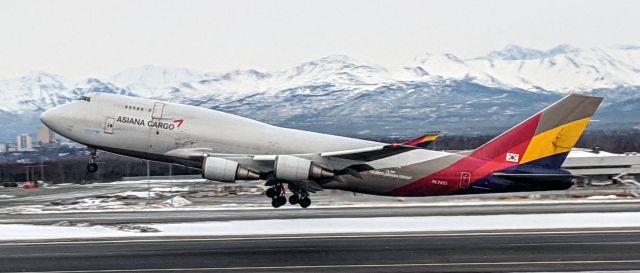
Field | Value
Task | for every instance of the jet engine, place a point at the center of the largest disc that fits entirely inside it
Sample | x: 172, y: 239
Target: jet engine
x: 223, y: 170
x: 296, y: 169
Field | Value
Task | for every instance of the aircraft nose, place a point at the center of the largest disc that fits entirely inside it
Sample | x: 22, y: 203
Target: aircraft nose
x: 49, y: 117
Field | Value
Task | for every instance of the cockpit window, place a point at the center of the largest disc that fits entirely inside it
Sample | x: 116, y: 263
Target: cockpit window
x: 85, y: 98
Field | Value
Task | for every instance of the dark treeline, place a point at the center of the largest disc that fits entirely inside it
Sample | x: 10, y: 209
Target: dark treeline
x: 72, y: 168
x: 617, y: 142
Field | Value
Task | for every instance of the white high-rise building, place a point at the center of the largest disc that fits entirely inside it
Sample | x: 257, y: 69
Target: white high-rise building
x: 23, y: 143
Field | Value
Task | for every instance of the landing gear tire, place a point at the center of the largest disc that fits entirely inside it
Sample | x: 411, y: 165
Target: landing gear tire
x: 305, y: 202
x: 278, y: 201
x: 293, y: 199
x: 275, y: 203
x: 271, y: 192
x: 92, y: 167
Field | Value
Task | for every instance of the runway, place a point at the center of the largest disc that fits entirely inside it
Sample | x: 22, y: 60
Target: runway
x: 462, y: 248
x: 199, y: 215
x: 488, y: 251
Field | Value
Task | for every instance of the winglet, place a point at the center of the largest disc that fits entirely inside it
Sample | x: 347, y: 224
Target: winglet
x: 423, y: 141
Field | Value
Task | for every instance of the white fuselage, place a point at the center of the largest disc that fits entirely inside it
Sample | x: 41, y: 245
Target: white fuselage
x: 151, y: 129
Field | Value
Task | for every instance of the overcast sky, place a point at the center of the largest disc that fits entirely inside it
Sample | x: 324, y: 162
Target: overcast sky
x: 98, y: 38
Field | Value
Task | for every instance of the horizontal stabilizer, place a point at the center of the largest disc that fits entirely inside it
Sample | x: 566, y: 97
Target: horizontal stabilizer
x: 536, y: 176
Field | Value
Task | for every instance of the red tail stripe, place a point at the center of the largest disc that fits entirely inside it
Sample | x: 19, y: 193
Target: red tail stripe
x: 482, y: 162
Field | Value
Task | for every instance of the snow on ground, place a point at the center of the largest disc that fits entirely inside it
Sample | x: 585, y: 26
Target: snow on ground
x: 334, y: 226
x: 94, y: 203
x: 177, y: 201
x: 589, y: 153
x: 137, y: 194
x: 174, y: 189
x: 151, y: 193
x: 602, y: 197
x: 155, y: 181
x: 116, y: 206
x: 84, y: 204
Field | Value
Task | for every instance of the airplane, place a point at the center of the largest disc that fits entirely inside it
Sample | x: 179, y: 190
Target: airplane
x: 230, y: 148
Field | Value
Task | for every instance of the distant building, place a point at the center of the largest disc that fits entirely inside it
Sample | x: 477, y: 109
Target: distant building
x: 45, y: 136
x: 23, y: 143
x: 3, y: 148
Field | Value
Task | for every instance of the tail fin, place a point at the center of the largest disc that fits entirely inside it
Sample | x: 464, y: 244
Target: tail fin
x: 545, y: 139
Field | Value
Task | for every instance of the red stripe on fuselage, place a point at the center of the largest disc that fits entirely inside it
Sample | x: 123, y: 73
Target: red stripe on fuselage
x: 482, y: 162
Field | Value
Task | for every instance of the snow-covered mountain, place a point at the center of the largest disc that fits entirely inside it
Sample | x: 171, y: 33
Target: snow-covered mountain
x: 338, y: 94
x: 163, y: 82
x: 152, y: 80
x: 561, y: 69
x: 36, y: 91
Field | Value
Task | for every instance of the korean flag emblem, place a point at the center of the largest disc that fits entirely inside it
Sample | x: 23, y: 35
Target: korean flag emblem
x: 511, y: 157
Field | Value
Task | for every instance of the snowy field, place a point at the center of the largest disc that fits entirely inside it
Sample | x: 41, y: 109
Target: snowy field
x: 178, y: 203
x: 542, y: 222
x: 197, y: 194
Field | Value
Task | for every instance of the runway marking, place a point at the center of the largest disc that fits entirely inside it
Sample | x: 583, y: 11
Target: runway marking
x: 580, y: 243
x: 320, y: 236
x: 347, y: 266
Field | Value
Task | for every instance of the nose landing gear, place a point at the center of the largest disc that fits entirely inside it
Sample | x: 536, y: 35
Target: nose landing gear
x: 92, y: 167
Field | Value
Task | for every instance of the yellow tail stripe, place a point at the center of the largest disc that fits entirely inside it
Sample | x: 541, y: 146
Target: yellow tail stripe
x: 554, y: 141
x: 429, y: 138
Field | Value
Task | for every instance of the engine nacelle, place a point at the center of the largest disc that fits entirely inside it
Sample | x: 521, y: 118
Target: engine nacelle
x: 223, y: 170
x: 296, y: 169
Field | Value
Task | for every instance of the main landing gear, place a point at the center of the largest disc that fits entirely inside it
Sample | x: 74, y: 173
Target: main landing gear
x: 278, y: 197
x: 301, y: 198
x: 92, y: 167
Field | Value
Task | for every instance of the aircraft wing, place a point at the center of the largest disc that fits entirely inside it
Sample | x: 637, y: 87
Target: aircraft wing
x: 195, y: 154
x: 338, y: 160
x: 337, y: 163
x: 369, y: 154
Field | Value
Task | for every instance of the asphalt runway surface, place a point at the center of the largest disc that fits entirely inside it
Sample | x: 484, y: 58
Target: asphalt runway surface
x: 294, y: 212
x: 485, y: 251
x: 460, y: 251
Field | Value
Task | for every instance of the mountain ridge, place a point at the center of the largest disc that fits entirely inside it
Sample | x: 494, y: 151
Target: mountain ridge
x: 338, y: 94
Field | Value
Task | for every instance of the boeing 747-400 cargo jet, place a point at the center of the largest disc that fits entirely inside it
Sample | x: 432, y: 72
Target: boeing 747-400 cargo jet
x: 230, y: 148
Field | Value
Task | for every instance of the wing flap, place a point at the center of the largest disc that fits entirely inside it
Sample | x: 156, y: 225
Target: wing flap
x: 370, y: 154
